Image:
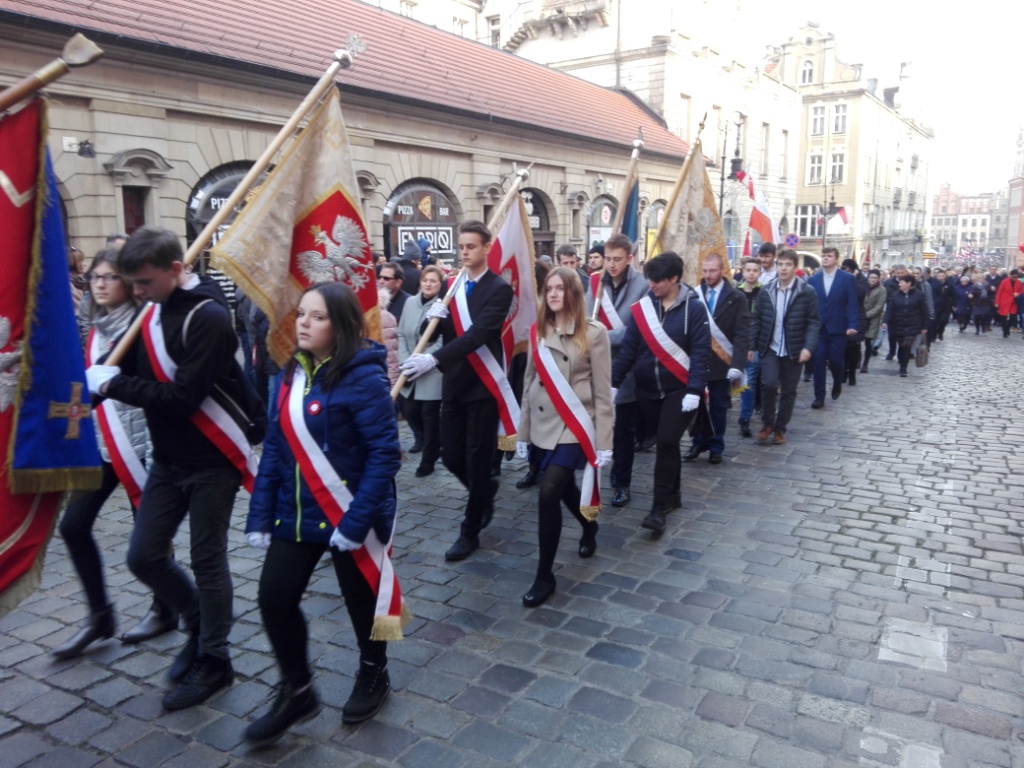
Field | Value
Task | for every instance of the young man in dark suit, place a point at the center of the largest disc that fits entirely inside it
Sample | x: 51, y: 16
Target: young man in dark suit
x: 469, y: 412
x: 840, y: 316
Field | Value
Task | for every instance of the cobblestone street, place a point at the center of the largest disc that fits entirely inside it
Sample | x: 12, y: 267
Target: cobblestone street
x: 852, y: 598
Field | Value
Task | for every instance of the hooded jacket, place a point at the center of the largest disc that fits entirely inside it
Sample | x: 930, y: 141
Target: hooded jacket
x: 355, y: 425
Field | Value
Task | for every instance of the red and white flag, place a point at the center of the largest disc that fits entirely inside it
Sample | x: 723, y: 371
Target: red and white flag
x: 761, y: 221
x: 746, y: 178
x: 511, y: 258
x: 746, y: 246
x: 841, y: 213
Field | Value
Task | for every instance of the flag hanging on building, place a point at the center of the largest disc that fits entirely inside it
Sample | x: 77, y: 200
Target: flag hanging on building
x: 46, y: 433
x: 631, y: 218
x: 691, y: 225
x: 303, y: 226
x: 511, y: 258
x: 761, y: 221
x: 841, y: 213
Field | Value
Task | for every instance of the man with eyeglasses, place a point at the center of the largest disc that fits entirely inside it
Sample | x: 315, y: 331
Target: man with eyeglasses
x: 390, y: 279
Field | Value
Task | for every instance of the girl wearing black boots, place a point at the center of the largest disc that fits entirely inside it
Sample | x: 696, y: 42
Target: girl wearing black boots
x: 124, y: 446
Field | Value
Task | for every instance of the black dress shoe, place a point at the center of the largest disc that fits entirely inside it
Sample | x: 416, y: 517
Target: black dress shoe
x: 207, y: 676
x: 185, y: 659
x: 422, y: 471
x: 528, y: 481
x: 889, y: 357
x: 837, y: 390
x: 417, y: 447
x: 693, y: 453
x: 655, y: 520
x: 621, y: 497
x: 155, y: 623
x: 463, y: 547
x: 291, y: 706
x: 538, y: 593
x: 806, y: 379
x: 745, y: 428
x: 715, y: 458
x: 588, y: 542
x: 100, y: 626
x: 818, y: 404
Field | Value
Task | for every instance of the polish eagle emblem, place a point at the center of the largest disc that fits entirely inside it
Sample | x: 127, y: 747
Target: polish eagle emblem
x: 9, y: 366
x: 339, y: 261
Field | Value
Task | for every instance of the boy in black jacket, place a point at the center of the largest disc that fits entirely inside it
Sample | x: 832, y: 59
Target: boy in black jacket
x: 182, y: 372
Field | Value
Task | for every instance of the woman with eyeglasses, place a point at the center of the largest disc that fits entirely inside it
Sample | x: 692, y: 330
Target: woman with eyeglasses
x: 124, y: 446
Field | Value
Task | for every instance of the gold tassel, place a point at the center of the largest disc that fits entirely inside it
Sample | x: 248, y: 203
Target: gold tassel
x: 506, y: 442
x: 387, y: 628
x: 405, y: 615
x: 590, y: 513
x: 52, y: 480
x: 738, y: 390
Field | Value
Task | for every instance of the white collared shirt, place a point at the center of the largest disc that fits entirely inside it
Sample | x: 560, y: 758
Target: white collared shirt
x: 783, y: 296
x: 827, y: 279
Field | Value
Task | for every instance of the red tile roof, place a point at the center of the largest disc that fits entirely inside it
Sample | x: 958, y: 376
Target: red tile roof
x: 404, y: 58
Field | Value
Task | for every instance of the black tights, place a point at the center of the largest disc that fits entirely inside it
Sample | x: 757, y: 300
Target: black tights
x: 557, y: 487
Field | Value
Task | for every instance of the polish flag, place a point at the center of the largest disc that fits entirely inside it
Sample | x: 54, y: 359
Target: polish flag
x: 841, y: 213
x: 761, y: 221
x: 746, y: 178
x: 746, y: 246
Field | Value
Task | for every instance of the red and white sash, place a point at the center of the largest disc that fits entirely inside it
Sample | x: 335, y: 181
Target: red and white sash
x: 667, y: 351
x: 576, y: 418
x: 720, y: 343
x: 211, y: 419
x: 373, y: 558
x: 606, y: 312
x: 127, y: 465
x: 490, y: 371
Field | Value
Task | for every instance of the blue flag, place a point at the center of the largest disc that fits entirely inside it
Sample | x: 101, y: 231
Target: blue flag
x: 630, y: 223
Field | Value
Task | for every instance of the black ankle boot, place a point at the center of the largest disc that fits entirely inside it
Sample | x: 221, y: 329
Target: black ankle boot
x: 371, y: 688
x: 293, y: 705
x: 588, y: 542
x: 100, y: 626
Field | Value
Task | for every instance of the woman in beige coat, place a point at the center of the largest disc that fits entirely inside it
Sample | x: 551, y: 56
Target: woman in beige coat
x: 582, y: 354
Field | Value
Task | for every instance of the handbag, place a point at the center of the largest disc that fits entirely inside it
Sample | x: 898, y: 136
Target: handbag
x: 921, y: 358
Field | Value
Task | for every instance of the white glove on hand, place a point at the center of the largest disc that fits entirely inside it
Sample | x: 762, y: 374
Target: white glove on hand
x: 735, y: 374
x: 690, y: 403
x: 522, y: 449
x: 258, y: 540
x: 615, y: 394
x: 604, y: 458
x: 98, y: 375
x: 437, y: 309
x: 417, y: 365
x: 340, y: 542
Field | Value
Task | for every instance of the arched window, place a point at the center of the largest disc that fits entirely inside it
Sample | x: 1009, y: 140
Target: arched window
x: 806, y: 73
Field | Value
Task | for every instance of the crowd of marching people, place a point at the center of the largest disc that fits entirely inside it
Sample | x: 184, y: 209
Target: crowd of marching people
x: 622, y: 357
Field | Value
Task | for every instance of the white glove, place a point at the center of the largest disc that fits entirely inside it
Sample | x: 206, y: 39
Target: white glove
x: 690, y: 403
x: 735, y: 374
x: 604, y: 458
x: 615, y: 394
x: 340, y: 542
x: 522, y: 449
x: 417, y: 365
x: 437, y: 309
x: 258, y: 540
x: 98, y: 375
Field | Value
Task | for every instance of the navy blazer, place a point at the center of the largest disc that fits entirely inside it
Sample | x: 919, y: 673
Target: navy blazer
x: 839, y: 310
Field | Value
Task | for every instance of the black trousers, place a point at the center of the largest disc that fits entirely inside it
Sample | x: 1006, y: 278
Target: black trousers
x: 468, y: 443
x: 557, y: 487
x: 425, y: 419
x: 623, y: 445
x: 287, y: 569
x: 76, y: 529
x: 667, y: 421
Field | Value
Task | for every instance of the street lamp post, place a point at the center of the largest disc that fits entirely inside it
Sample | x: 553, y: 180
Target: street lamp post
x: 736, y: 164
x: 828, y: 208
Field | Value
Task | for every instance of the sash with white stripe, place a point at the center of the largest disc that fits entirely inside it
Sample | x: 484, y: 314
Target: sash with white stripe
x: 373, y: 558
x: 576, y: 418
x: 490, y: 371
x: 211, y: 419
x: 669, y: 354
x: 127, y: 465
x: 720, y: 343
x: 607, y: 313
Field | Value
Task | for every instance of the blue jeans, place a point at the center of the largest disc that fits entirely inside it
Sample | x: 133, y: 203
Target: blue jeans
x: 749, y: 395
x: 719, y: 403
x: 831, y: 353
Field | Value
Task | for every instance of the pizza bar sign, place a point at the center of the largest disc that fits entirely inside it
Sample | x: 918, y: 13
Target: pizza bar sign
x: 442, y: 239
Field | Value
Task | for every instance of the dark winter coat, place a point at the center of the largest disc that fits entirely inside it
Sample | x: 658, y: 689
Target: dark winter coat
x: 356, y: 425
x: 802, y: 321
x: 906, y: 314
x: 732, y: 316
x: 982, y: 304
x: 962, y: 300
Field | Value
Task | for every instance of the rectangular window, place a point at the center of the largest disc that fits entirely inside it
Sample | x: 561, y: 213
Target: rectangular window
x: 817, y: 121
x: 808, y: 221
x: 839, y: 119
x: 134, y: 199
x: 684, y: 116
x: 785, y: 155
x: 814, y: 169
x: 494, y: 26
x: 765, y: 133
x: 406, y: 7
x: 838, y: 168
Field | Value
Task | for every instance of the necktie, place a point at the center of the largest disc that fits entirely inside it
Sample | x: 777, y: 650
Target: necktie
x: 711, y: 300
x: 470, y: 285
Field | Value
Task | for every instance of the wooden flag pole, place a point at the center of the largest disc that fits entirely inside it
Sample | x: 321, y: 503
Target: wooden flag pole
x: 696, y: 147
x: 78, y: 52
x: 342, y: 60
x: 428, y: 332
x: 632, y: 175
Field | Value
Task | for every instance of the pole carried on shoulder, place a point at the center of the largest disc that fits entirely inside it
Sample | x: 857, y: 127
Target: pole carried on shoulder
x: 496, y: 217
x: 342, y: 60
x: 79, y: 51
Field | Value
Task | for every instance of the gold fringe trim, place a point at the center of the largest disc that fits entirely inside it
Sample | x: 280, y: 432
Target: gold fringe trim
x: 590, y: 513
x: 389, y: 628
x: 738, y: 390
x: 26, y: 584
x: 506, y: 442
x: 53, y: 480
x: 405, y: 615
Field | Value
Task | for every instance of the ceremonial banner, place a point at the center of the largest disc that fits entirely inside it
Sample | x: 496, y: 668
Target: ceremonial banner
x: 691, y: 225
x: 631, y: 217
x: 303, y: 226
x: 511, y: 258
x: 46, y: 432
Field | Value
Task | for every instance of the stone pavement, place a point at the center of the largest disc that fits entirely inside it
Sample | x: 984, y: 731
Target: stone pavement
x: 854, y: 598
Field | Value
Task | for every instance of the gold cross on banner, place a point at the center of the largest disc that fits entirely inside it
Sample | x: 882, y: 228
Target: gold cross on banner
x: 74, y: 411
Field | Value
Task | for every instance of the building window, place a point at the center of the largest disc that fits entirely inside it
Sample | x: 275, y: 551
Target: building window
x: 806, y: 73
x: 808, y: 221
x: 785, y: 155
x: 839, y: 121
x: 684, y: 116
x: 814, y: 169
x: 963, y: 223
x: 406, y: 7
x: 459, y: 26
x: 134, y: 199
x: 838, y: 167
x: 765, y: 133
x: 817, y: 121
x: 494, y: 25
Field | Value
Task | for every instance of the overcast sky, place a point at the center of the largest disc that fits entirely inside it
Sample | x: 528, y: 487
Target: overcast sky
x: 966, y: 73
